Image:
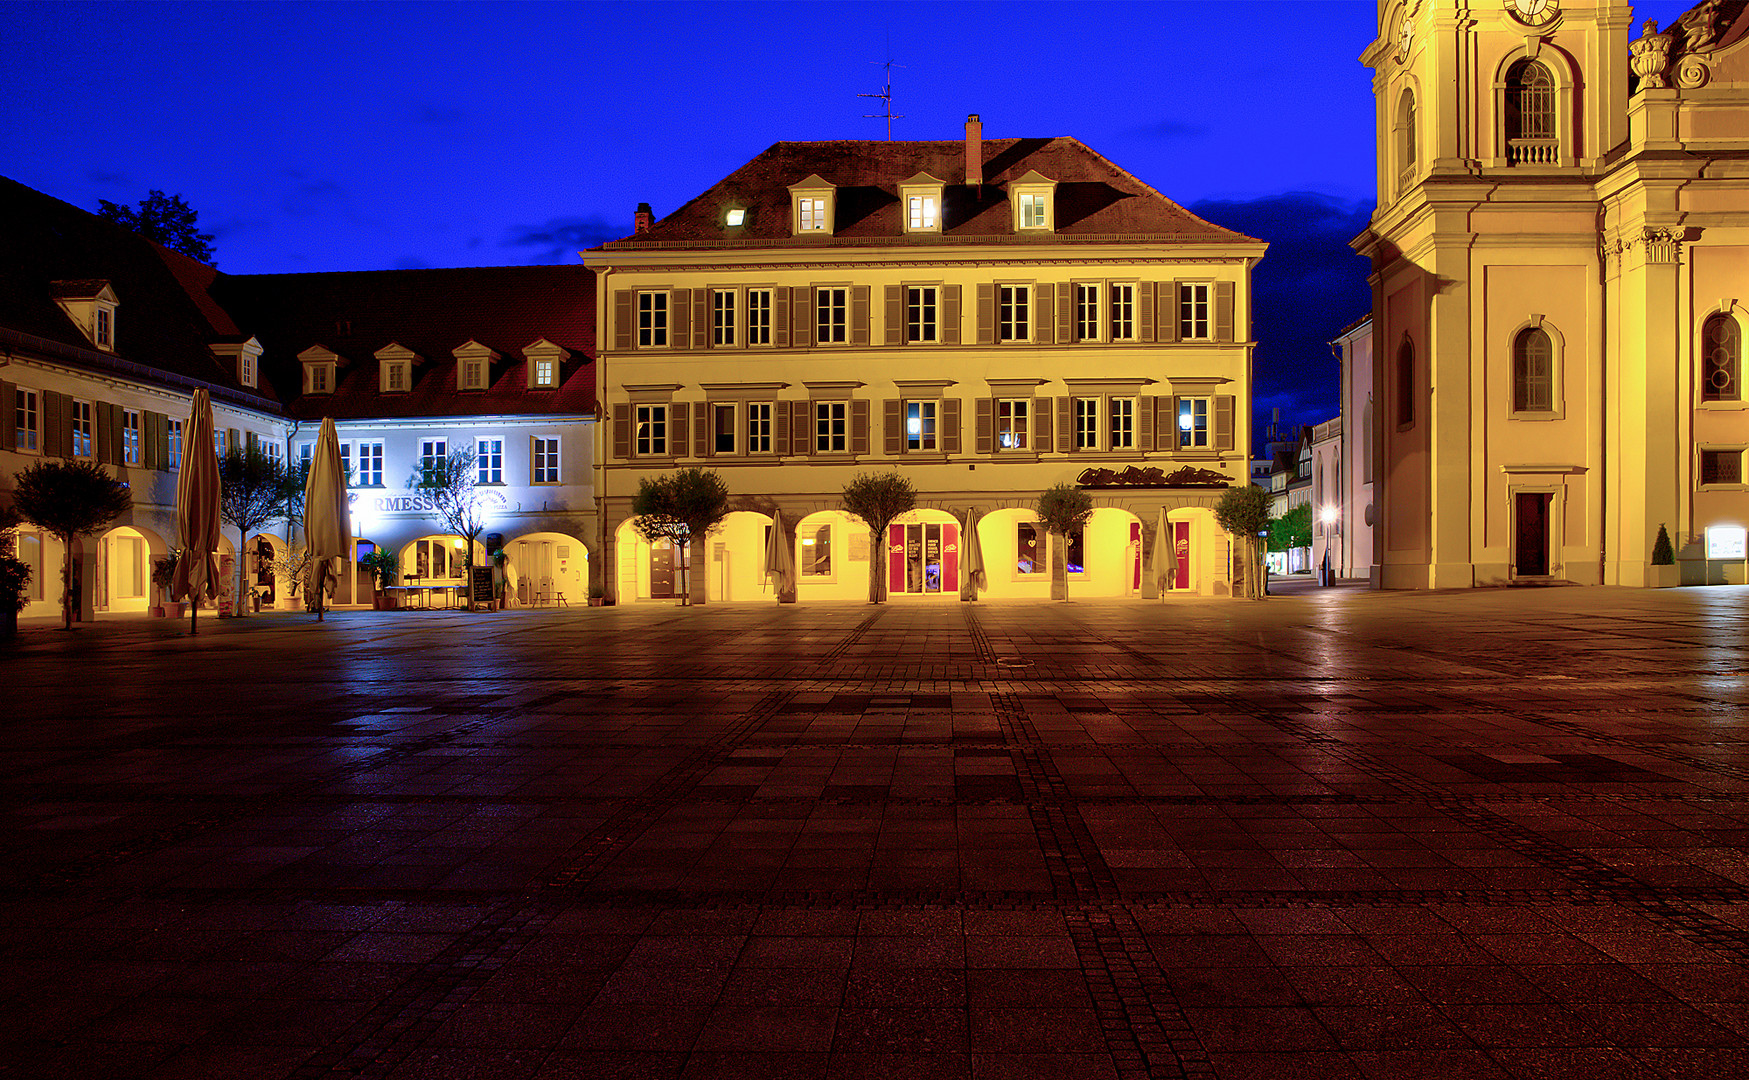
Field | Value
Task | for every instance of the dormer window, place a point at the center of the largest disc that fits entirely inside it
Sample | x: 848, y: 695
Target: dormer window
x: 246, y: 369
x: 544, y: 362
x: 90, y: 303
x: 319, y: 369
x: 813, y: 205
x: 395, y: 365
x: 242, y: 359
x: 735, y: 218
x: 921, y: 198
x: 102, y: 338
x: 1033, y: 198
x: 473, y: 366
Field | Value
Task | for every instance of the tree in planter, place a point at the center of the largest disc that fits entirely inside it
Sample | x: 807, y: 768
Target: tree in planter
x: 449, y: 483
x: 1292, y: 529
x: 14, y: 574
x: 163, y: 574
x: 878, y: 498
x: 253, y: 490
x: 1662, y: 553
x: 1063, y: 510
x: 1243, y: 512
x: 69, y: 499
x: 383, y: 566
x: 682, y: 507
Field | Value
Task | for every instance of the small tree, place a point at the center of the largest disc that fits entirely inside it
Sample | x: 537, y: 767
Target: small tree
x: 449, y: 483
x: 69, y: 499
x: 878, y: 498
x: 1243, y: 512
x: 1063, y: 510
x: 1662, y: 553
x: 682, y: 507
x: 1292, y: 529
x: 163, y: 219
x: 14, y: 572
x: 254, y: 489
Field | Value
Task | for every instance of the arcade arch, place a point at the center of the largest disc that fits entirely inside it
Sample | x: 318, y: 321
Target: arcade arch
x: 546, y: 566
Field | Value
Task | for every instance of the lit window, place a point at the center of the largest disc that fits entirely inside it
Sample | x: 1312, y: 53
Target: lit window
x: 920, y: 308
x: 831, y: 427
x: 27, y: 415
x: 832, y: 316
x: 1123, y: 423
x: 810, y: 215
x: 817, y: 552
x: 1029, y: 552
x: 489, y: 457
x: 1074, y: 554
x: 1193, y: 422
x: 82, y: 429
x: 1032, y: 211
x: 723, y: 317
x: 920, y: 212
x: 1086, y: 313
x: 370, y: 464
x: 173, y: 443
x: 1086, y: 423
x: 759, y: 316
x: 1193, y: 311
x: 759, y: 427
x: 546, y: 460
x: 397, y: 377
x: 546, y: 372
x: 346, y: 464
x: 219, y: 442
x: 1123, y: 312
x: 130, y: 436
x: 736, y: 218
x: 306, y: 451
x: 920, y: 425
x: 1011, y: 423
x: 1014, y: 319
x: 652, y: 430
x: 652, y: 319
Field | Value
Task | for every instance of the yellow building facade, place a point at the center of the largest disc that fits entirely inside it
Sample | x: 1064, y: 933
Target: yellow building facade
x: 990, y: 318
x: 1560, y: 262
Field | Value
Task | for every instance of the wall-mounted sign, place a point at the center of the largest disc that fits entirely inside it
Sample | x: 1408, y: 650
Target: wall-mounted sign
x: 490, y: 501
x: 1727, y: 542
x: 1152, y: 477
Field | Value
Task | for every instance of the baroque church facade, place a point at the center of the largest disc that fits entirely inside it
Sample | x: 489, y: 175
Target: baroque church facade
x: 1560, y: 267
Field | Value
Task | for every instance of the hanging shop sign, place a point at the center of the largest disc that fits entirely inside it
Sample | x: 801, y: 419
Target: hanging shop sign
x: 1152, y: 477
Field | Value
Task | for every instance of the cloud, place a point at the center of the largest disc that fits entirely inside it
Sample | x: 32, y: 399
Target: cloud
x: 560, y: 239
x: 1308, y: 287
x: 1168, y: 129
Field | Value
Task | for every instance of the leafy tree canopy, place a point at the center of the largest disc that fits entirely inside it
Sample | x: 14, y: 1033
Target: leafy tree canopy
x: 450, y: 481
x: 878, y: 498
x: 680, y: 505
x: 69, y: 498
x: 1243, y: 511
x: 1064, y: 508
x: 163, y: 219
x: 1292, y: 529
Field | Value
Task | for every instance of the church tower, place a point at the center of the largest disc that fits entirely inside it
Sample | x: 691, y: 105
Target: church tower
x: 1559, y: 214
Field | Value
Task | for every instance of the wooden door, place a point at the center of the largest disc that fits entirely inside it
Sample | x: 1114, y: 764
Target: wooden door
x: 662, y: 571
x: 1533, y: 533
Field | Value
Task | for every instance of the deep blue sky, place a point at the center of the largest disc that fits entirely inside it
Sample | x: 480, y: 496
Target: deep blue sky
x: 368, y: 136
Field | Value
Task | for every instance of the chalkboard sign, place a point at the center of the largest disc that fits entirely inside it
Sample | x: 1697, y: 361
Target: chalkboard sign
x: 480, y: 588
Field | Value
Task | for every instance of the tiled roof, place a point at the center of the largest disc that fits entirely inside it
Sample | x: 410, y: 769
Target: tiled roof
x: 164, y: 320
x: 1094, y: 198
x: 431, y: 312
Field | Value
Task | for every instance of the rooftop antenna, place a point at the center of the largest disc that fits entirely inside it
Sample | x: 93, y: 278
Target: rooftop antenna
x: 885, y: 97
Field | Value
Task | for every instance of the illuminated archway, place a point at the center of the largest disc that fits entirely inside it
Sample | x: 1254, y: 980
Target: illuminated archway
x: 831, y: 557
x: 1016, y: 555
x: 545, y: 567
x: 922, y: 552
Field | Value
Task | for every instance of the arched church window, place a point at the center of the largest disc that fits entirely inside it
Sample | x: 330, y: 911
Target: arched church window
x: 1530, y: 113
x: 1406, y: 131
x: 1721, y: 361
x: 1533, y: 371
x: 1406, y: 383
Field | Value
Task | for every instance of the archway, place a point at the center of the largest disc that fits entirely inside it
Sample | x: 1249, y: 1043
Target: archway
x: 831, y: 556
x: 922, y: 553
x: 1202, y: 550
x: 260, y: 570
x: 735, y: 558
x: 545, y: 567
x: 433, y: 561
x: 1016, y: 555
x: 123, y: 581
x: 645, y: 571
x: 1111, y: 555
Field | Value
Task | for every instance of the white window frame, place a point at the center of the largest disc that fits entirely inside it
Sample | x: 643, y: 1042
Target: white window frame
x: 831, y: 427
x: 1013, y: 313
x: 1121, y: 431
x: 718, y: 411
x: 397, y: 376
x: 723, y: 317
x: 543, y: 459
x: 922, y: 315
x: 130, y: 436
x: 650, y: 430
x: 1193, y: 422
x: 430, y: 450
x: 758, y: 427
x: 546, y: 372
x: 922, y: 213
x: 922, y: 426
x: 370, y: 463
x: 831, y: 315
x: 810, y: 214
x: 473, y: 372
x: 346, y: 464
x: 1035, y: 210
x: 1087, y: 311
x: 306, y: 451
x: 1012, y: 426
x: 1121, y: 310
x: 27, y: 420
x: 1195, y: 311
x: 173, y: 443
x: 489, y: 461
x: 758, y: 317
x: 652, y: 319
x: 84, y: 444
x: 1041, y: 566
x: 808, y: 567
x: 246, y: 361
x: 1089, y: 422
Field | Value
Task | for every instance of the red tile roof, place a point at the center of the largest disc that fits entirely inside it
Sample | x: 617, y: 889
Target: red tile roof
x: 431, y: 312
x: 1095, y: 200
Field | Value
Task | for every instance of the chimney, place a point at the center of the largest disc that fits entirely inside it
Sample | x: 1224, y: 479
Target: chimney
x: 643, y: 219
x: 974, y: 151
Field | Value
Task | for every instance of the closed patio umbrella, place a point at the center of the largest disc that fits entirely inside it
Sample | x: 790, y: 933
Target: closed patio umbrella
x: 197, y: 511
x: 779, y: 562
x: 973, y: 556
x: 1165, y: 559
x: 327, y: 515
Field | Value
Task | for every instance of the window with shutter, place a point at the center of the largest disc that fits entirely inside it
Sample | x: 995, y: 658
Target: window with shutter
x: 677, y: 429
x: 894, y: 426
x: 859, y: 426
x: 893, y: 314
x: 859, y: 301
x: 1224, y: 422
x: 624, y: 319
x: 1224, y: 327
x: 984, y: 427
x: 986, y: 314
x: 1041, y: 424
x: 950, y: 426
x: 950, y: 314
x: 622, y: 431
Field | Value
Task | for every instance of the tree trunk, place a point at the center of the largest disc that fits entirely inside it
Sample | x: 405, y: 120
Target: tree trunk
x: 877, y: 566
x: 67, y: 583
x: 1059, y: 567
x: 240, y: 605
x: 695, y: 573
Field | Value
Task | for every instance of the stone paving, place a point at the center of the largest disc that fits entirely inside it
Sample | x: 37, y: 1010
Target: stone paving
x: 1336, y: 834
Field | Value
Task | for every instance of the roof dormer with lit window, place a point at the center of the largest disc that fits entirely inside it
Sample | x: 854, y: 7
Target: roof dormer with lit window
x: 91, y: 304
x: 812, y: 205
x: 321, y: 369
x: 473, y: 366
x: 1033, y: 198
x: 545, y: 363
x: 395, y: 364
x: 242, y: 359
x: 920, y: 203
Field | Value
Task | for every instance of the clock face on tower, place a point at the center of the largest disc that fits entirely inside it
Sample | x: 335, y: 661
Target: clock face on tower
x: 1533, y: 12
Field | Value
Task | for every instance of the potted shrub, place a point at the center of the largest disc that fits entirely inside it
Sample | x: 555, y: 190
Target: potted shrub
x: 163, y: 572
x: 1665, y: 573
x: 383, y: 567
x: 597, y: 596
x: 14, y: 576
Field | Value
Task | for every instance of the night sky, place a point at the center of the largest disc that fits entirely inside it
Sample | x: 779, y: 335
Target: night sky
x: 314, y: 137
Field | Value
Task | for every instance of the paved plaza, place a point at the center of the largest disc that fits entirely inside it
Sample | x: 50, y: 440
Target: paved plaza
x: 1335, y: 834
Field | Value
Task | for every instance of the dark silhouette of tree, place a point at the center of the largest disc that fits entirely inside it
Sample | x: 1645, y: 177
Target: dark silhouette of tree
x: 682, y: 507
x: 69, y: 499
x: 878, y: 498
x: 1243, y: 512
x: 1062, y: 510
x: 253, y: 490
x: 163, y: 219
x: 449, y: 483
